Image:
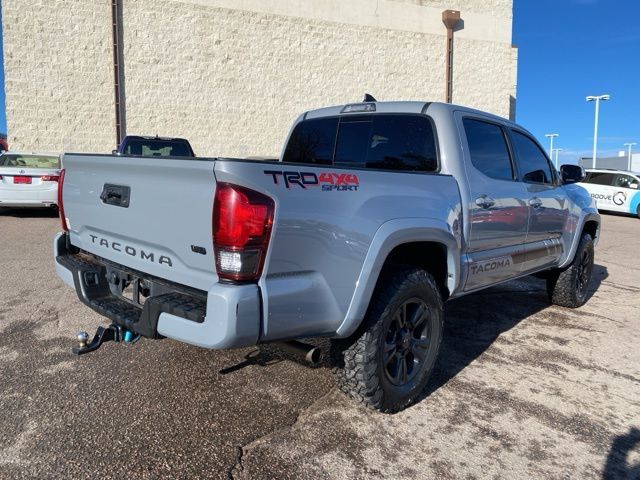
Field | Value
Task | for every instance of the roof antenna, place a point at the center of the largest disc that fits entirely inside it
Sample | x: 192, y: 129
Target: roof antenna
x: 369, y: 98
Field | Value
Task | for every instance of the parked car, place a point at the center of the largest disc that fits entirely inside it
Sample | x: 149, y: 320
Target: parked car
x: 29, y: 179
x: 376, y: 214
x: 154, y: 147
x: 614, y: 190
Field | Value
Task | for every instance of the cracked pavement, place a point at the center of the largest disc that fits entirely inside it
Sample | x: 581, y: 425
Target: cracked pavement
x: 522, y: 389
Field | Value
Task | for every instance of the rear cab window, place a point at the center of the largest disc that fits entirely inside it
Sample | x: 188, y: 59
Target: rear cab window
x: 157, y: 148
x: 401, y: 142
x: 312, y: 141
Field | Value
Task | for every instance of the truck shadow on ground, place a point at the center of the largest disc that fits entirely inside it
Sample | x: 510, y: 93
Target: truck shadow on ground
x: 616, y: 466
x: 474, y: 322
x: 472, y: 325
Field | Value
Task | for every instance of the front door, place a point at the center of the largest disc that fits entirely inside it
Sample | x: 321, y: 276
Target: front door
x: 498, y: 211
x: 548, y: 207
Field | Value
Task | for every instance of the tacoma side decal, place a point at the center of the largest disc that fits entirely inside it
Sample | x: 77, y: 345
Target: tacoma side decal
x: 490, y: 265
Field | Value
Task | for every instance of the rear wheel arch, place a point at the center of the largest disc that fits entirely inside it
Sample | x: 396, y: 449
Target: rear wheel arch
x: 427, y: 255
x: 429, y: 244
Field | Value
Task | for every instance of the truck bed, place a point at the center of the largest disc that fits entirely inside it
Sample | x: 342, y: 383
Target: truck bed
x: 328, y: 229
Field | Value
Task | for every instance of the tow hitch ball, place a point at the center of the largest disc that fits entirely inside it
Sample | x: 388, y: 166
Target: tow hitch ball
x: 113, y: 333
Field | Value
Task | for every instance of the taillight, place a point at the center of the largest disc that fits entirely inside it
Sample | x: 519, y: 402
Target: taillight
x: 49, y: 178
x: 242, y: 221
x: 63, y: 219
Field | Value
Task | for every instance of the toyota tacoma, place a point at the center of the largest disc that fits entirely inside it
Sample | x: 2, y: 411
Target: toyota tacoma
x: 375, y: 214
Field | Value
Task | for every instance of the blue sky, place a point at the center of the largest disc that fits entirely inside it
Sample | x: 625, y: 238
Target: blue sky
x: 568, y: 49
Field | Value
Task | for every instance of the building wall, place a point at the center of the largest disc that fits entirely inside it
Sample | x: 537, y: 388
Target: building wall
x: 231, y: 75
x: 617, y: 163
x: 58, y: 75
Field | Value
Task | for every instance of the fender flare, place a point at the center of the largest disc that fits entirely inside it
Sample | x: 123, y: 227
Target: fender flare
x: 584, y: 218
x: 389, y: 235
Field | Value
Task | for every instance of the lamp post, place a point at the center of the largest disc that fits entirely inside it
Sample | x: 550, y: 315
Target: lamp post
x: 596, y: 98
x: 629, y: 160
x: 551, y: 136
x: 556, y: 150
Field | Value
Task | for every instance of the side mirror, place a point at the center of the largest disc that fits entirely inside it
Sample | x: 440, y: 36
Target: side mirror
x: 634, y: 186
x: 572, y: 173
x: 114, y: 152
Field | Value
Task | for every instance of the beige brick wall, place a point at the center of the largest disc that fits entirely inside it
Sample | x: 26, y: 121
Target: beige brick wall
x: 232, y: 80
x: 498, y: 8
x: 58, y: 75
x: 484, y: 75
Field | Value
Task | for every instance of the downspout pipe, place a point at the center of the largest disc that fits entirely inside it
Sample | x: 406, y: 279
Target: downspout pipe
x: 118, y: 70
x: 450, y: 18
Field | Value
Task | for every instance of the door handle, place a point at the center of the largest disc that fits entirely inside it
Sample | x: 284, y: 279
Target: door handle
x: 535, y: 202
x: 485, y: 202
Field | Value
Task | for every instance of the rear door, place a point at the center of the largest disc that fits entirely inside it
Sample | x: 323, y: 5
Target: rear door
x: 547, y: 201
x: 498, y: 210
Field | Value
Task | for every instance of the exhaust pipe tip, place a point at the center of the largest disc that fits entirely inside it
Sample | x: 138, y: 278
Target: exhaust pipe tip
x: 314, y: 356
x: 310, y: 353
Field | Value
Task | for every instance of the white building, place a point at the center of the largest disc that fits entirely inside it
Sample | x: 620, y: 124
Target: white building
x: 621, y: 162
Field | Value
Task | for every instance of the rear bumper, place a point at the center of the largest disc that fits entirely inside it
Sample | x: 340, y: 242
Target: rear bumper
x: 227, y: 316
x: 33, y: 198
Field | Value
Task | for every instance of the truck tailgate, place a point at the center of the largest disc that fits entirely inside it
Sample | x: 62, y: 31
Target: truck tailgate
x: 164, y: 229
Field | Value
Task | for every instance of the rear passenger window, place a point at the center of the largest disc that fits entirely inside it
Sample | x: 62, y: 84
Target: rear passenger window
x: 600, y: 178
x: 488, y: 149
x: 312, y: 141
x: 532, y: 162
x: 384, y: 142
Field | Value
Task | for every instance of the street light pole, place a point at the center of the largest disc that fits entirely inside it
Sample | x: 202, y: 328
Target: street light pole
x: 557, y: 150
x: 551, y: 136
x: 597, y: 99
x: 629, y: 158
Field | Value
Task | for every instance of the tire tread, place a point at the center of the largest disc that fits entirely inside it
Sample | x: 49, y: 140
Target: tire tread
x: 356, y: 370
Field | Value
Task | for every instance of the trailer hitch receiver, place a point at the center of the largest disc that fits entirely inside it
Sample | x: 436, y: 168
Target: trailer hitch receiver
x: 112, y: 333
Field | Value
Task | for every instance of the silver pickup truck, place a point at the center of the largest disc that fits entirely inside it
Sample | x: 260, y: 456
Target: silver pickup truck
x: 375, y: 214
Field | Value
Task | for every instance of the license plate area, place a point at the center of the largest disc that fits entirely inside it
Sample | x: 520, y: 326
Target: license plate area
x: 19, y: 179
x: 135, y: 290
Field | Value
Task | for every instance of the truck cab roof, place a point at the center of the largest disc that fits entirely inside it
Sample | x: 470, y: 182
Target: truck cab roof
x: 404, y: 106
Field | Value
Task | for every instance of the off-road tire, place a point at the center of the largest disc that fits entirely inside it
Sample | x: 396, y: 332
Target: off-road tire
x: 360, y: 371
x: 570, y: 287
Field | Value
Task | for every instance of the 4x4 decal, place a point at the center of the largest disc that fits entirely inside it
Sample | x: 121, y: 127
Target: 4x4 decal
x: 328, y: 181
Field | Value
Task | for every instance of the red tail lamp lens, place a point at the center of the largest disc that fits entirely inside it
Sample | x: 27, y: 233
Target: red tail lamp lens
x: 242, y: 221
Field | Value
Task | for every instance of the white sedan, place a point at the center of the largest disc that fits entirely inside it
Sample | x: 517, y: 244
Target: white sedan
x: 29, y: 180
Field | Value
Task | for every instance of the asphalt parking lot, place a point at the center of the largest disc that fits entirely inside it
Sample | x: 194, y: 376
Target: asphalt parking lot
x: 522, y: 390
